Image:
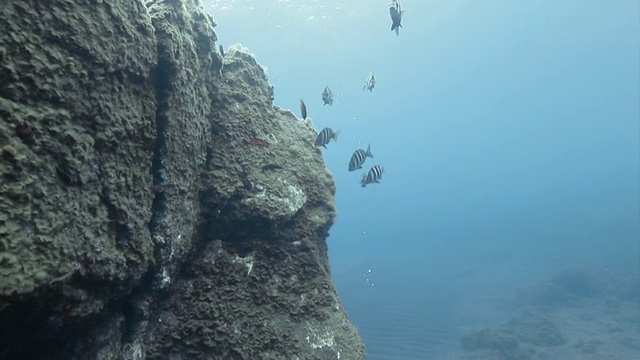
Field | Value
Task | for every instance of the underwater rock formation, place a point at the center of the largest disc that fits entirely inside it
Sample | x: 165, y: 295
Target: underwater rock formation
x: 153, y: 202
x: 520, y: 338
x: 576, y: 313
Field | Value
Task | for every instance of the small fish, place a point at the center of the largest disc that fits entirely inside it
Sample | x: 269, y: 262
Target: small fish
x: 396, y: 16
x: 358, y: 158
x: 271, y: 167
x: 218, y: 62
x: 325, y: 136
x: 371, y: 82
x: 327, y: 96
x: 303, y: 110
x: 221, y: 51
x: 373, y: 176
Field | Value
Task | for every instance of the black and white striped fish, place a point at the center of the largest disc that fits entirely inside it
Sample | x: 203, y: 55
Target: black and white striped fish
x: 396, y: 16
x: 303, y: 110
x: 371, y: 82
x: 325, y: 136
x: 358, y: 158
x: 373, y: 176
x: 327, y: 96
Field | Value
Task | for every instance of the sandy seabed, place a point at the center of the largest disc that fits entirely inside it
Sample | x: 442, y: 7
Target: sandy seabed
x: 574, y: 313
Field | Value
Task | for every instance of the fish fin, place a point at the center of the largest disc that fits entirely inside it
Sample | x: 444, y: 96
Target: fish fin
x: 335, y: 135
x: 324, y: 146
x: 368, y: 153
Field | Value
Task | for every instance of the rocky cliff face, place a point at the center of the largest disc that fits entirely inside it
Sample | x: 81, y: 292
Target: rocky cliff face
x: 153, y: 203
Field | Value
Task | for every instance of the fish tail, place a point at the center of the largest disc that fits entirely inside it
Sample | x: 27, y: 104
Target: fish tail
x: 335, y: 135
x: 369, y: 154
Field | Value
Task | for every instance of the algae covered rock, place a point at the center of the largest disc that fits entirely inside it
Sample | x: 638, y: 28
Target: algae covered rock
x: 260, y: 286
x: 77, y: 124
x: 153, y: 201
x: 263, y: 156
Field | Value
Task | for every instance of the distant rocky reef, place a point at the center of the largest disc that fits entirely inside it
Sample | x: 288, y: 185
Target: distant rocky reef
x: 578, y: 313
x: 153, y: 202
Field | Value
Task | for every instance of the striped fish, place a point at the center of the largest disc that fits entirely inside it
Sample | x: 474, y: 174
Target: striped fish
x: 325, y: 136
x: 373, y: 176
x: 371, y: 82
x: 303, y: 110
x: 358, y: 158
x: 327, y: 96
x: 396, y: 16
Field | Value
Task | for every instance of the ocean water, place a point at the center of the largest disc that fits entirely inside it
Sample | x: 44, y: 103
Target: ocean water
x: 510, y: 136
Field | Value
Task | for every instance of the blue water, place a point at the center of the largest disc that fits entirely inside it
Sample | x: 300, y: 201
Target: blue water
x: 510, y: 136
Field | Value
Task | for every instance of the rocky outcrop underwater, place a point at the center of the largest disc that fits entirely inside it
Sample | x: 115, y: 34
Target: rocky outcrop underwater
x: 153, y: 202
